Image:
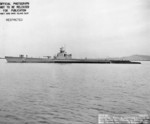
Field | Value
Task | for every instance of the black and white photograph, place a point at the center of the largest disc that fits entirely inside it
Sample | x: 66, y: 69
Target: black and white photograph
x: 74, y: 61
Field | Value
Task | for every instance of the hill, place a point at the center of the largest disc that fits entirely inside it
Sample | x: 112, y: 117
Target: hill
x: 137, y: 58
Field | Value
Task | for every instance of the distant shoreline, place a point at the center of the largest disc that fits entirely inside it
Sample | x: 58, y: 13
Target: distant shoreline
x: 131, y: 58
x: 115, y: 58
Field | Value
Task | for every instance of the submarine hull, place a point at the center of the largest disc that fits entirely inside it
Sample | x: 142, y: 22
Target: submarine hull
x: 47, y: 60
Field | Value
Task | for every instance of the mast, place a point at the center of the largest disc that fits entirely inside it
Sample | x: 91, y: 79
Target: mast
x: 62, y: 50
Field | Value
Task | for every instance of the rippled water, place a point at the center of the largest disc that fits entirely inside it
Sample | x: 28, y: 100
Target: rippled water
x: 71, y: 93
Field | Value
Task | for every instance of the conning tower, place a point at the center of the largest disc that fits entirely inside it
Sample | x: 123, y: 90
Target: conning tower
x: 63, y: 54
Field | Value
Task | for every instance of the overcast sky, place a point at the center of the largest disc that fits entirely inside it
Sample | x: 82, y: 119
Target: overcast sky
x: 88, y: 28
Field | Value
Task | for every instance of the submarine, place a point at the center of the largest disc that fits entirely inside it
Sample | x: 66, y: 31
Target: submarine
x: 63, y: 57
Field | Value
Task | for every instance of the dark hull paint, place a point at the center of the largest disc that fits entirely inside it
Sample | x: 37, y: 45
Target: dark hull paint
x: 84, y: 61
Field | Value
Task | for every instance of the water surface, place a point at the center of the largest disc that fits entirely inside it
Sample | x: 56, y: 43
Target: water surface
x: 71, y: 93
